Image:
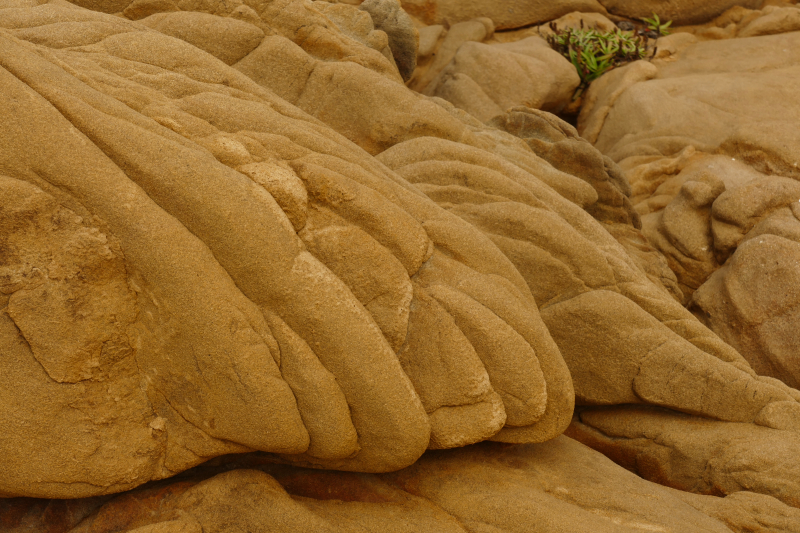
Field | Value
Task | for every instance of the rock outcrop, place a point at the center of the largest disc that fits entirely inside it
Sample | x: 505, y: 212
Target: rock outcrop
x: 720, y: 199
x: 521, y: 13
x: 485, y: 77
x: 230, y: 228
x: 731, y: 181
x: 512, y: 14
x: 389, y: 17
x: 556, y: 486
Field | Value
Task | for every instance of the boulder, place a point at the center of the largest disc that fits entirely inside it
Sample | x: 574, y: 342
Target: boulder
x: 745, y: 511
x: 442, y: 50
x: 692, y: 454
x: 199, y: 337
x: 486, y: 77
x: 506, y: 15
x: 779, y: 20
x: 681, y: 12
x: 318, y: 265
x: 225, y: 38
x: 521, y: 13
x: 551, y: 487
x: 719, y: 200
x: 752, y: 301
x: 486, y: 80
x: 388, y: 16
x: 353, y: 23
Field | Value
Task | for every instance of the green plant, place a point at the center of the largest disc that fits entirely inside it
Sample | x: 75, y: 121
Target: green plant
x: 654, y: 24
x: 594, y: 52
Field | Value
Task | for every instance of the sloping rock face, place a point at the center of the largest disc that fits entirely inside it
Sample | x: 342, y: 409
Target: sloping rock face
x: 511, y: 14
x: 223, y: 321
x: 389, y: 17
x: 470, y: 68
x: 680, y: 11
x: 707, y: 137
x: 556, y: 486
x: 290, y: 252
x: 520, y: 13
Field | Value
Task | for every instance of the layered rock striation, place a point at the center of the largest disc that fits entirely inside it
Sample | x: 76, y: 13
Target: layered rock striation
x: 232, y: 229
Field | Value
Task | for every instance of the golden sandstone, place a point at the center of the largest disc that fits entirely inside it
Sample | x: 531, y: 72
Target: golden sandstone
x: 294, y: 265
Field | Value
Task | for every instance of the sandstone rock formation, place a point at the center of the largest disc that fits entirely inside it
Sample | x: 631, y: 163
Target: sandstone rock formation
x: 483, y: 76
x: 254, y: 342
x: 725, y: 191
x: 389, y: 17
x: 521, y: 13
x: 230, y: 228
x: 556, y: 486
x: 720, y: 199
x: 679, y: 11
x: 513, y: 14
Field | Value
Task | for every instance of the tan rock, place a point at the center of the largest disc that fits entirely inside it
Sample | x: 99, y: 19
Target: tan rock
x: 317, y: 263
x: 356, y: 24
x: 693, y: 454
x: 487, y: 78
x: 476, y: 30
x: 647, y: 363
x: 508, y: 15
x: 680, y: 11
x: 388, y: 16
x: 172, y: 319
x: 734, y: 131
x: 569, y: 264
x: 139, y: 9
x: 752, y: 302
x: 428, y: 39
x: 284, y: 185
x: 284, y: 344
x: 555, y: 486
x: 525, y: 73
x: 699, y: 208
x: 746, y: 511
x: 225, y: 38
x: 463, y: 408
x: 750, y: 207
x: 780, y: 20
x: 683, y: 231
x: 280, y: 65
x: 67, y: 309
x: 576, y: 21
x: 560, y: 145
x: 105, y: 7
x: 604, y: 92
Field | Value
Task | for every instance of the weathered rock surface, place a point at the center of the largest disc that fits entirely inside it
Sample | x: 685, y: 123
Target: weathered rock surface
x: 255, y: 343
x: 486, y: 77
x: 223, y: 37
x: 298, y: 255
x: 679, y: 11
x: 509, y: 14
x: 692, y: 454
x: 389, y: 17
x: 745, y: 511
x: 721, y: 200
x: 556, y: 486
x: 520, y: 13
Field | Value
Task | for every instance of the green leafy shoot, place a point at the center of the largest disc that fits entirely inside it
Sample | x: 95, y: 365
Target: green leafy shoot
x: 595, y: 52
x: 654, y: 24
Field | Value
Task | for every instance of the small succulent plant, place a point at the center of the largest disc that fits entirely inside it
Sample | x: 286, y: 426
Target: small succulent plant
x: 595, y: 52
x: 654, y: 25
